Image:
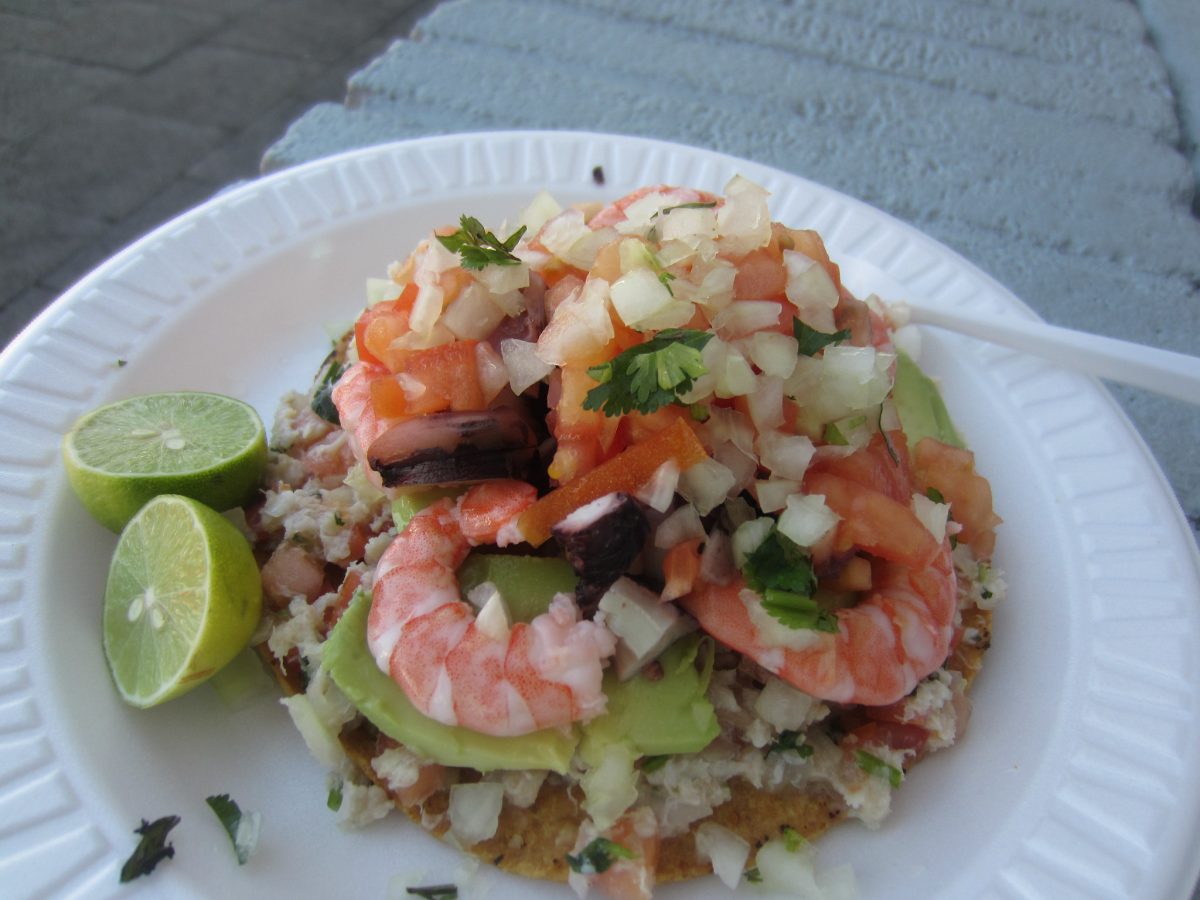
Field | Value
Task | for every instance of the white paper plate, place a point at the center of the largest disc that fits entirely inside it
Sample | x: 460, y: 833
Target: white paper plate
x: 1080, y: 775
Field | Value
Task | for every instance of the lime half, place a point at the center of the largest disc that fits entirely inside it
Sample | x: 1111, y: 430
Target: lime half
x: 206, y: 446
x: 183, y: 597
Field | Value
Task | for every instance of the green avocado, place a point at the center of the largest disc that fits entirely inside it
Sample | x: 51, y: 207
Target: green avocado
x: 352, y: 668
x: 669, y: 715
x: 410, y: 502
x: 527, y: 583
x: 922, y: 411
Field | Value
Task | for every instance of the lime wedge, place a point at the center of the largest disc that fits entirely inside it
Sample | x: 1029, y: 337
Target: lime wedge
x: 205, y: 446
x: 182, y: 600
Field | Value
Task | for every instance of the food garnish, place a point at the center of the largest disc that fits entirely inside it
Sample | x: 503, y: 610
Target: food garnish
x: 873, y: 765
x: 152, y: 848
x: 598, y: 856
x: 811, y: 342
x: 649, y: 376
x: 434, y: 891
x: 478, y: 248
x: 242, y: 827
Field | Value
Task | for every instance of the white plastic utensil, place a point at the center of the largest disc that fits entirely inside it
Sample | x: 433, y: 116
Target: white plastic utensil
x: 1162, y: 371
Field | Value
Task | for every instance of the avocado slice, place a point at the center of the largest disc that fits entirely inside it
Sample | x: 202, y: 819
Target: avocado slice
x: 410, y: 502
x: 527, y: 583
x: 922, y: 411
x: 670, y: 715
x: 384, y: 703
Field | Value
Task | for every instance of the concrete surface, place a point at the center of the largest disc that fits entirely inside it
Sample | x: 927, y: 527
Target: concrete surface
x: 1051, y: 142
x: 116, y: 115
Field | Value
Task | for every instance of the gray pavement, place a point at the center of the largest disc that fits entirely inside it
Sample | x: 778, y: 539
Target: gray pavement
x: 115, y: 115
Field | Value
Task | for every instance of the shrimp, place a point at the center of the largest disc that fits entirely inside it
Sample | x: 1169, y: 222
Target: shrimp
x: 901, y: 629
x: 899, y: 633
x: 530, y: 676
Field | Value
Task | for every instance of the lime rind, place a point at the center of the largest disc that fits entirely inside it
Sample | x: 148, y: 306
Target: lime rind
x: 182, y: 599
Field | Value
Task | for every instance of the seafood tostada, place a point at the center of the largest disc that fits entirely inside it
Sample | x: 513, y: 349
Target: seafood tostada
x: 624, y: 544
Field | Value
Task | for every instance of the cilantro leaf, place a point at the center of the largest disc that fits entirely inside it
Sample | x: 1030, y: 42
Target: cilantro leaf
x: 477, y: 247
x: 650, y: 375
x: 873, y: 765
x: 781, y: 572
x: 434, y: 891
x: 791, y: 740
x: 151, y: 849
x: 598, y: 856
x: 798, y: 611
x: 753, y: 875
x: 322, y: 398
x: 242, y: 828
x: 779, y: 563
x: 811, y: 341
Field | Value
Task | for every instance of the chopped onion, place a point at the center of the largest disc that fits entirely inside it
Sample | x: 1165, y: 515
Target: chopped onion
x: 706, y: 485
x: 786, y: 455
x: 716, y: 561
x: 811, y: 290
x: 472, y: 316
x: 568, y: 237
x: 494, y: 620
x: 748, y: 537
x: 504, y: 279
x: 772, y: 494
x: 745, y: 317
x: 541, y: 209
x: 788, y: 872
x: 807, y: 519
x: 774, y: 353
x: 682, y: 525
x: 766, y: 403
x: 475, y: 811
x: 743, y: 467
x: 735, y: 378
x: 838, y: 883
x: 689, y: 225
x: 743, y: 220
x: 727, y: 424
x: 524, y: 366
x: 580, y: 326
x: 933, y: 515
x: 726, y: 851
x: 659, y: 491
x: 843, y: 380
x: 714, y: 291
x: 638, y: 295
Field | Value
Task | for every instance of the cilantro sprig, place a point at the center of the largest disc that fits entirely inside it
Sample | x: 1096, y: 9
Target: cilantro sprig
x: 152, y: 848
x: 598, y: 856
x: 781, y: 572
x: 477, y: 247
x: 649, y: 376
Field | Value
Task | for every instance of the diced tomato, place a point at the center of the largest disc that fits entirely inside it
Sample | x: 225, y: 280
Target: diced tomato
x: 760, y: 275
x: 382, y: 323
x: 428, y: 381
x: 810, y: 244
x: 896, y: 735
